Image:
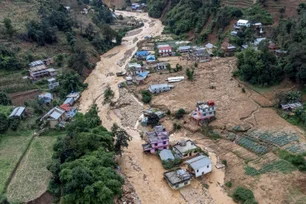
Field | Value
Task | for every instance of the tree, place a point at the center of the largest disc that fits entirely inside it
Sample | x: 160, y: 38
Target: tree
x: 41, y: 32
x: 3, y: 123
x: 180, y: 113
x: 79, y: 60
x: 146, y: 96
x: 190, y: 74
x: 108, y: 95
x: 121, y: 139
x: 4, y: 99
x: 153, y: 119
x: 9, y: 29
x: 89, y: 32
x: 14, y: 123
x: 244, y: 195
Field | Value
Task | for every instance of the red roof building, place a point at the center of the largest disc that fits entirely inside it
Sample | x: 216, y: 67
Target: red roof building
x: 165, y: 51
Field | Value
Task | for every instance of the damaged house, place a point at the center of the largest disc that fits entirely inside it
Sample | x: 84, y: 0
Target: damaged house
x: 156, y: 140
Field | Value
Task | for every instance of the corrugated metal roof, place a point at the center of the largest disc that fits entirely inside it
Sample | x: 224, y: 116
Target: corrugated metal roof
x: 69, y: 101
x: 54, y: 113
x: 45, y: 95
x: 198, y: 162
x: 166, y: 154
x: 158, y: 86
x: 142, y: 53
x: 17, y: 111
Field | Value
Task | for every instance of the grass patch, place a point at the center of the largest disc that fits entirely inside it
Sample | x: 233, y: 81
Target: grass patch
x: 6, y: 110
x: 277, y: 166
x: 32, y: 177
x: 11, y: 148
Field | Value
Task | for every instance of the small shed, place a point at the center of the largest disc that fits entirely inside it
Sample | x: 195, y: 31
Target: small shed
x: 199, y: 165
x: 17, y: 112
x: 183, y: 49
x: 45, y: 97
x: 166, y: 155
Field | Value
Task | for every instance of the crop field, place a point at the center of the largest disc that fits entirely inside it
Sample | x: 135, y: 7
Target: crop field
x: 252, y: 146
x: 276, y: 166
x: 297, y: 148
x: 12, y: 146
x: 277, y: 138
x: 15, y: 83
x: 6, y: 110
x: 32, y: 177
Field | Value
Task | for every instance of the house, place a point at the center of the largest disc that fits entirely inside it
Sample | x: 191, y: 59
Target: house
x: 175, y: 79
x: 291, y: 106
x: 17, y: 112
x: 228, y: 48
x: 199, y: 165
x: 134, y: 69
x: 52, y: 83
x: 204, y: 111
x: 164, y: 50
x: 41, y: 71
x: 148, y: 37
x: 135, y: 6
x: 185, y: 149
x: 177, y: 178
x: 129, y: 80
x: 183, y: 49
x: 257, y: 41
x: 166, y: 155
x: 156, y: 140
x: 36, y: 63
x: 150, y: 58
x: 69, y: 110
x: 234, y: 33
x: 141, y: 54
x: 243, y: 23
x: 209, y: 46
x: 158, y: 88
x: 55, y: 116
x: 199, y: 54
x: 73, y: 97
x: 45, y: 97
x: 141, y: 77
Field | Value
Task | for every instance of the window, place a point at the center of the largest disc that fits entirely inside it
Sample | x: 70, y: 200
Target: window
x: 176, y: 186
x: 165, y: 147
x: 186, y: 183
x: 207, y: 166
x: 165, y: 142
x: 197, y: 170
x: 210, y: 113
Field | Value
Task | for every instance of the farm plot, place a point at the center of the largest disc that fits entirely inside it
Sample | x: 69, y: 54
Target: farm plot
x: 277, y: 138
x: 297, y: 148
x: 32, y: 177
x: 252, y: 145
x: 11, y: 149
x: 276, y: 166
x: 15, y: 83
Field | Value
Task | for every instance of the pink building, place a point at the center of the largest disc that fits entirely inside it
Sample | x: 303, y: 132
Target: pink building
x: 156, y: 140
x: 165, y: 50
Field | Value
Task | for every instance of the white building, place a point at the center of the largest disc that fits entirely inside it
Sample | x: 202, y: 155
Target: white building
x: 243, y: 23
x: 158, y: 88
x: 199, y: 165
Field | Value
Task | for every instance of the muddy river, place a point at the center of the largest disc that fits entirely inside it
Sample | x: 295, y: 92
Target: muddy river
x: 144, y: 172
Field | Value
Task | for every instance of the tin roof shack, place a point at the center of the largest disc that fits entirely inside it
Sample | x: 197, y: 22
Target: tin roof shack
x: 158, y: 88
x: 72, y: 98
x: 183, y: 49
x: 257, y: 41
x: 69, y: 110
x: 243, y: 23
x: 199, y: 165
x: 141, y: 77
x: 185, y: 149
x: 228, y: 49
x: 55, y: 116
x: 36, y: 63
x: 134, y: 69
x: 150, y: 59
x: 156, y: 140
x: 41, y: 71
x: 164, y: 50
x: 210, y: 48
x: 166, y: 155
x: 157, y: 66
x: 45, y: 97
x: 177, y: 178
x: 199, y: 54
x: 205, y: 111
x: 52, y: 83
x: 291, y: 106
x: 17, y: 112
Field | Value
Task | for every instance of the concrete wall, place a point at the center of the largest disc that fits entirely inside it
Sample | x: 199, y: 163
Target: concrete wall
x: 203, y: 170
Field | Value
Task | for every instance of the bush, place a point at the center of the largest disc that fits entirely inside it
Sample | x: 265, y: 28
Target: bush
x: 176, y: 126
x: 171, y: 163
x: 228, y: 184
x: 180, y: 113
x: 243, y: 90
x: 243, y: 195
x: 153, y: 119
x: 14, y: 123
x: 168, y: 112
x: 224, y: 161
x: 3, y: 123
x: 108, y: 95
x: 146, y: 96
x: 4, y: 99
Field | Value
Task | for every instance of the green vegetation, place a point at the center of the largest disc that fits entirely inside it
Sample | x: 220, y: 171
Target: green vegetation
x: 153, y: 119
x: 276, y: 166
x: 180, y: 113
x: 190, y: 74
x: 244, y: 195
x: 252, y: 145
x: 209, y: 132
x: 169, y: 164
x: 229, y: 184
x: 32, y: 175
x: 12, y: 147
x: 296, y: 160
x: 257, y: 14
x: 83, y: 162
x: 259, y: 67
x: 108, y: 95
x: 4, y: 99
x: 6, y: 110
x: 146, y: 96
x: 176, y: 126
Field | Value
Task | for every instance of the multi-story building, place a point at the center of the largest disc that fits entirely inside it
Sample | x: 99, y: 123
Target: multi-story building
x: 156, y: 140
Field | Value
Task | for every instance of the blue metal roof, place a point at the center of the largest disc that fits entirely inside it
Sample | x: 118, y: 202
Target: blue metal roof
x: 143, y: 74
x: 142, y: 53
x: 150, y: 57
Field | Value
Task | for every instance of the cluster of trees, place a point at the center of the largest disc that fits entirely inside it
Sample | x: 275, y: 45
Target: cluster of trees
x: 259, y: 67
x: 8, y: 59
x: 5, y: 122
x: 83, y: 162
x: 146, y: 96
x: 244, y: 196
